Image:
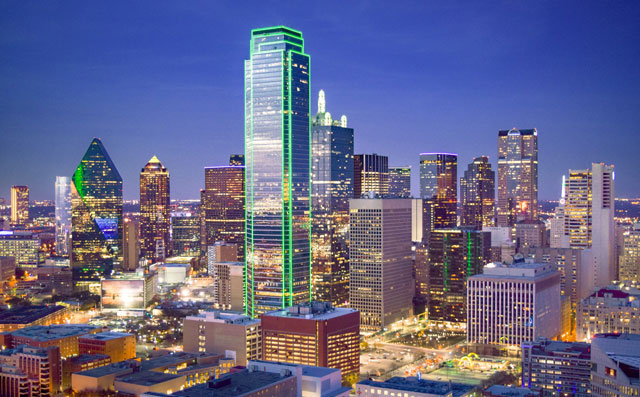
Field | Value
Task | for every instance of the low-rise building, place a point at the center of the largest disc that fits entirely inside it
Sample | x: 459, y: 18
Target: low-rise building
x: 138, y: 383
x: 412, y: 386
x: 23, y: 246
x: 57, y: 279
x: 80, y: 363
x: 550, y: 367
x: 22, y: 317
x: 40, y: 366
x: 508, y: 391
x: 615, y: 363
x: 118, y: 346
x: 63, y: 336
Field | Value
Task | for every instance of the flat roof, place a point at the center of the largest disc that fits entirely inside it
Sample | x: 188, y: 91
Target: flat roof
x: 43, y: 333
x: 318, y: 372
x: 147, y: 378
x: 28, y: 314
x: 420, y: 386
x: 240, y: 383
x: 326, y: 315
x: 122, y: 367
x: 87, y: 358
x: 108, y: 335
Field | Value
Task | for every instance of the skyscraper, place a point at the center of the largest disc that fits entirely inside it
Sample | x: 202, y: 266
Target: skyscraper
x: 130, y: 244
x: 222, y: 207
x: 630, y: 258
x: 236, y: 159
x: 370, y: 174
x: 400, y: 182
x: 331, y: 189
x: 439, y: 189
x: 454, y: 255
x: 589, y: 222
x: 155, y: 211
x: 477, y: 194
x: 19, y: 205
x: 277, y: 159
x: 380, y: 261
x: 517, y: 176
x: 63, y: 214
x: 185, y: 235
x: 96, y: 216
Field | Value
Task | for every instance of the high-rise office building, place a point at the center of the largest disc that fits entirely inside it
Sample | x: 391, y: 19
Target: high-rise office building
x: 477, y: 194
x: 185, y: 235
x: 454, y: 255
x: 331, y: 189
x: 517, y: 176
x: 19, y: 205
x: 370, y: 175
x: 630, y: 258
x: 277, y: 155
x: 439, y: 190
x: 400, y: 182
x: 589, y: 223
x: 236, y: 159
x: 380, y: 261
x: 63, y: 214
x: 96, y: 216
x: 155, y: 211
x: 222, y: 207
x: 131, y: 244
x: 314, y: 334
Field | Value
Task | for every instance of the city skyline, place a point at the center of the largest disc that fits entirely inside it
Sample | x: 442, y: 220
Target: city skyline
x: 183, y: 97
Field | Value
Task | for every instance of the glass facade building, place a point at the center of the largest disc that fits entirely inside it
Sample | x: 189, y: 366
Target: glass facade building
x: 517, y: 176
x: 222, y: 207
x: 331, y: 189
x: 155, y: 211
x: 19, y: 205
x: 370, y: 175
x: 277, y: 158
x: 439, y: 189
x: 477, y: 194
x: 185, y: 235
x: 96, y: 216
x: 400, y: 182
x: 63, y: 214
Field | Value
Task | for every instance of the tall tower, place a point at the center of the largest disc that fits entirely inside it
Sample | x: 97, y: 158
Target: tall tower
x: 331, y: 189
x: 19, y: 205
x: 155, y: 211
x: 370, y: 175
x: 439, y: 189
x: 222, y: 207
x: 477, y: 194
x: 400, y: 182
x: 517, y: 176
x: 96, y: 216
x: 278, y: 266
x: 63, y: 214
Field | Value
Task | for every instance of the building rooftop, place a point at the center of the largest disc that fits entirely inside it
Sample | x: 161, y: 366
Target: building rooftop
x: 517, y: 270
x: 228, y: 317
x: 86, y: 358
x: 123, y: 367
x: 107, y: 335
x: 43, y: 333
x: 546, y: 347
x: 318, y: 372
x: 510, y: 391
x: 147, y: 378
x: 312, y: 311
x: 233, y: 384
x: 416, y: 385
x: 29, y: 314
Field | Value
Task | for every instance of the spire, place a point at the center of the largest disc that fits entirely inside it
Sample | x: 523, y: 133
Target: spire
x: 343, y: 121
x: 321, y: 102
x: 154, y: 159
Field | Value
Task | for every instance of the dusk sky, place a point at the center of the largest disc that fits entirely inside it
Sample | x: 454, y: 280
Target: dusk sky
x: 166, y: 79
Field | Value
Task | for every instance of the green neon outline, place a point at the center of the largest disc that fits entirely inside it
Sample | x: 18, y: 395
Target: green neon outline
x: 310, y: 164
x: 468, y: 255
x: 282, y: 236
x: 290, y: 176
x: 256, y: 32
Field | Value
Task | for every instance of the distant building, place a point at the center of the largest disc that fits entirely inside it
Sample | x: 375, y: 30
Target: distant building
x: 615, y: 365
x: 40, y: 367
x: 380, y: 261
x: 228, y: 285
x: 57, y: 279
x: 128, y: 291
x: 556, y: 368
x: 19, y: 205
x: 454, y: 255
x: 155, y: 211
x: 96, y: 217
x: 370, y: 175
x: 439, y: 190
x: 477, y: 194
x: 118, y: 346
x: 314, y: 334
x: 533, y: 293
x: 185, y: 235
x: 236, y: 159
x: 21, y: 317
x: 82, y: 362
x: 221, y: 251
x: 400, y: 182
x: 64, y: 336
x: 23, y: 246
x: 517, y: 176
x: 7, y: 271
x: 233, y: 334
x: 413, y: 386
x: 508, y: 391
x: 630, y: 258
x: 530, y: 234
x: 63, y: 214
x: 131, y: 245
x: 613, y: 309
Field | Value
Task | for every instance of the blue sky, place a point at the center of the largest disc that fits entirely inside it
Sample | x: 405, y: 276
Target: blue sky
x: 166, y: 79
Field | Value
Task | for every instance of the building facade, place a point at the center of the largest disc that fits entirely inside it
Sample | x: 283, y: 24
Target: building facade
x: 19, y: 205
x: 155, y: 211
x: 400, y: 182
x: 370, y: 175
x: 277, y: 156
x: 439, y: 189
x: 615, y: 363
x: 130, y: 244
x: 517, y: 176
x: 380, y: 261
x: 185, y: 235
x: 630, y: 259
x: 63, y: 214
x: 41, y: 367
x: 331, y: 188
x: 477, y: 194
x: 96, y: 216
x: 23, y: 246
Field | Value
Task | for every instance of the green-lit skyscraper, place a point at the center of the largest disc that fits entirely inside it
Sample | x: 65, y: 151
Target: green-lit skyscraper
x: 278, y: 268
x: 96, y: 216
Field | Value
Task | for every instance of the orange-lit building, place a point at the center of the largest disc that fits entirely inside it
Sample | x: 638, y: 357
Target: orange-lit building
x: 118, y: 346
x: 64, y: 336
x: 22, y: 317
x: 314, y: 334
x: 155, y: 211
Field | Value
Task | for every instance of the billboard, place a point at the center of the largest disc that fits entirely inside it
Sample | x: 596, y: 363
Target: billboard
x: 123, y: 294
